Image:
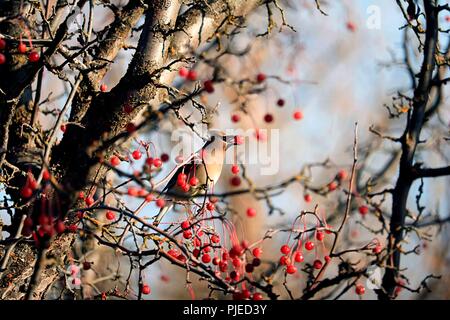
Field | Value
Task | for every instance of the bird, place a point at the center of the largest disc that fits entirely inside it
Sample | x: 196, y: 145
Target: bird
x: 198, y: 175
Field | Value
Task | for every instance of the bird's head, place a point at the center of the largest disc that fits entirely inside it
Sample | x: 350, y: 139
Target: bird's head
x: 218, y: 139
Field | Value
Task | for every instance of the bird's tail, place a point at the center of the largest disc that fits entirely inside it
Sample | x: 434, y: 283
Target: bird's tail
x: 161, y: 214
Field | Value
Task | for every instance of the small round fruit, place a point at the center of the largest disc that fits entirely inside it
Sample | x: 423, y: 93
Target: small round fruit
x: 206, y: 258
x: 317, y: 264
x: 145, y: 289
x: 298, y: 115
x: 261, y: 77
x: 291, y: 269
x: 298, y: 257
x: 136, y: 154
x: 308, y: 198
x: 33, y: 56
x: 251, y: 212
x: 257, y: 252
x: 320, y: 235
x: 22, y: 47
x: 285, y: 249
x: 110, y: 215
x: 160, y: 203
x: 309, y: 245
x: 360, y: 289
x: 363, y: 210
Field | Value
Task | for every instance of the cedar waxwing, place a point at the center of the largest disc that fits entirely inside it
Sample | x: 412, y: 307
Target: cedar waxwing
x: 197, y: 176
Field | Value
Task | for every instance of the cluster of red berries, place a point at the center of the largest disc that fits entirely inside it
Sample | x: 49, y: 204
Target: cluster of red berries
x: 190, y: 75
x: 2, y: 47
x: 33, y: 56
x: 30, y: 186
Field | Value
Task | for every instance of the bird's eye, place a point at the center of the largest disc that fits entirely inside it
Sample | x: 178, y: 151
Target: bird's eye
x: 213, y: 138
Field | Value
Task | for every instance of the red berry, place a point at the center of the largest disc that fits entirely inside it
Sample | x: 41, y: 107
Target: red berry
x: 309, y: 245
x: 73, y: 228
x: 183, y: 72
x: 215, y: 238
x: 2, y: 58
x: 298, y: 257
x: 133, y: 191
x: 317, y: 264
x: 131, y: 127
x: 351, y: 26
x: 45, y: 175
x: 145, y: 289
x: 235, y: 169
x: 115, y: 161
x: 81, y: 195
x: 268, y: 118
x: 280, y: 102
x: 33, y: 56
x: 173, y: 253
x: 103, y: 87
x: 86, y: 265
x: 187, y: 234
x: 136, y: 154
x: 251, y: 212
x: 308, y: 198
x: 208, y: 86
x: 327, y: 259
x: 164, y: 157
x: 342, y: 174
x: 284, y: 260
x: 206, y: 258
x: 22, y: 48
x: 185, y: 225
x: 192, y: 75
x: 157, y: 162
x: 320, y: 235
x: 257, y: 296
x: 149, y: 197
x: 291, y: 269
x: 235, y: 275
x: 285, y: 249
x: 60, y: 227
x: 2, y: 44
x: 332, y: 186
x: 26, y: 192
x: 249, y: 268
x: 193, y: 181
x: 378, y: 248
x: 260, y: 77
x: 89, y: 201
x: 360, y: 289
x: 236, y: 251
x: 215, y: 261
x: 298, y: 115
x: 257, y: 252
x: 160, y: 203
x: 256, y: 262
x: 235, y: 118
x: 235, y: 181
x: 236, y: 262
x: 210, y: 206
x: 110, y: 215
x: 363, y: 210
